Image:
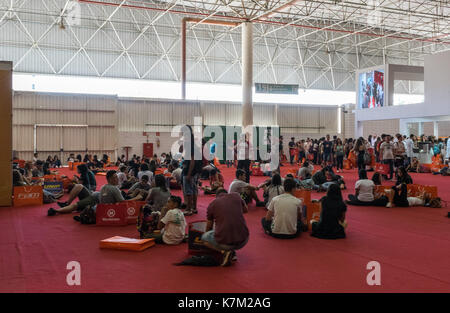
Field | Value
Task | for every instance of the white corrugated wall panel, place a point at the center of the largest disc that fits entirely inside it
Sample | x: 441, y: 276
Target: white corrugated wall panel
x: 74, y: 138
x: 101, y: 138
x: 23, y: 116
x: 184, y: 113
x: 23, y: 138
x: 73, y: 118
x: 329, y: 120
x: 48, y: 138
x: 234, y: 114
x: 48, y: 117
x: 101, y: 118
x: 24, y: 100
x: 214, y: 113
x: 264, y: 115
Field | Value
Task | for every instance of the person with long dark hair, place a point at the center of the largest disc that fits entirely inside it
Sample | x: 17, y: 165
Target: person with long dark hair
x: 158, y: 195
x: 332, y: 221
x: 360, y: 150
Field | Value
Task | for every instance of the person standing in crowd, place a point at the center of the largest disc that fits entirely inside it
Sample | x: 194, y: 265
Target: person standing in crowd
x: 243, y: 153
x: 399, y: 151
x: 339, y: 150
x: 387, y: 154
x: 409, y: 145
x: 327, y: 150
x: 292, y: 150
x: 360, y: 151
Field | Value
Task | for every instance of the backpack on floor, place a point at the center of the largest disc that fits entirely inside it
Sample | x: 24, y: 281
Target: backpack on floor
x: 88, y: 216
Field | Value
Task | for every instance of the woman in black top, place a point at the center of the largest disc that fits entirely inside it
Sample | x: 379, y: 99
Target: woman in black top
x: 332, y: 217
x: 403, y: 177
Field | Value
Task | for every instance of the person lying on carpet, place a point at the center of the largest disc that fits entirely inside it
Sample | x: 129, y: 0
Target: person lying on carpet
x: 398, y: 196
x: 172, y: 224
x: 158, y: 195
x: 109, y: 193
x: 445, y: 171
x: 139, y: 190
x: 284, y: 216
x: 49, y: 197
x: 226, y: 229
x: 247, y: 191
x: 215, y: 182
x: 332, y: 221
x: 365, y: 192
x: 273, y: 189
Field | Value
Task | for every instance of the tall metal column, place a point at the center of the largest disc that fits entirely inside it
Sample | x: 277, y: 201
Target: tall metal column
x: 247, y: 74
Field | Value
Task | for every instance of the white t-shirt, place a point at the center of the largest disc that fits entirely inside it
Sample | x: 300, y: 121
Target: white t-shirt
x: 237, y: 186
x: 285, y: 208
x: 365, y: 187
x: 175, y: 227
x: 177, y: 174
x: 414, y: 201
x: 409, y: 147
x: 148, y: 173
x: 122, y: 178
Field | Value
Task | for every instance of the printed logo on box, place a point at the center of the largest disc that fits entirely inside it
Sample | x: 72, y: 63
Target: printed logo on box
x: 111, y: 213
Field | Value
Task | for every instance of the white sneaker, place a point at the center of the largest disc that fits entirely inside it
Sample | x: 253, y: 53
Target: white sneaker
x: 389, y: 205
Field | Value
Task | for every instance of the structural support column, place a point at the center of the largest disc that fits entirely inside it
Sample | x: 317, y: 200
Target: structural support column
x: 436, y: 129
x: 420, y: 129
x: 247, y: 74
x: 183, y: 59
x: 6, y: 134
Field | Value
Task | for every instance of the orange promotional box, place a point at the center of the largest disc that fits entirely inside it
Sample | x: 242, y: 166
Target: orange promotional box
x: 124, y: 243
x: 313, y: 210
x: 28, y: 195
x: 304, y: 195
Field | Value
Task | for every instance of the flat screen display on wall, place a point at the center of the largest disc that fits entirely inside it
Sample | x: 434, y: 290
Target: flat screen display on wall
x: 371, y: 89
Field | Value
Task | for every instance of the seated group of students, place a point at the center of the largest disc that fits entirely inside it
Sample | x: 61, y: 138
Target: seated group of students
x: 366, y: 195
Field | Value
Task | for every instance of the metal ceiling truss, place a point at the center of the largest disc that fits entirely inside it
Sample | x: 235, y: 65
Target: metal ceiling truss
x: 316, y: 44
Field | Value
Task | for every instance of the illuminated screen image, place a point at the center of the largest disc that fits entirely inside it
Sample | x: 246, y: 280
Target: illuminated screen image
x: 371, y: 90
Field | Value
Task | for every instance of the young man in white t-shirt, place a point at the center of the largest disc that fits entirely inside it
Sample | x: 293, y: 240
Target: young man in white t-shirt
x: 247, y: 191
x: 284, y: 218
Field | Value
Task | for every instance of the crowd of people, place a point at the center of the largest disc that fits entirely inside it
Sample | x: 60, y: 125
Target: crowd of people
x: 163, y: 216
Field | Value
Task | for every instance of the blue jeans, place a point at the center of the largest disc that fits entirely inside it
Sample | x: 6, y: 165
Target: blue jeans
x: 190, y: 186
x: 210, y: 238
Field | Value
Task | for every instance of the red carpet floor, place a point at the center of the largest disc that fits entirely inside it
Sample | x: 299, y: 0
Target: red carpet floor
x: 411, y: 244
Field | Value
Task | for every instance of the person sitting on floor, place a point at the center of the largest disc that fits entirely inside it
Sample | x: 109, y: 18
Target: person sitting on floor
x: 139, y: 190
x: 38, y: 171
x: 247, y: 191
x: 171, y: 225
x: 226, y: 229
x: 365, y: 192
x: 332, y: 222
x: 414, y: 166
x: 215, y: 182
x: 305, y: 172
x: 376, y: 178
x: 158, y: 195
x: 144, y: 170
x: 86, y: 178
x: 176, y: 175
x: 273, y: 189
x: 403, y: 177
x: 445, y: 171
x: 49, y: 197
x: 284, y: 216
x: 109, y: 193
